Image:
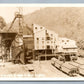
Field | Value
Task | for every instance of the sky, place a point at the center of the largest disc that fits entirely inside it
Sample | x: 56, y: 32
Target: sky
x: 8, y: 13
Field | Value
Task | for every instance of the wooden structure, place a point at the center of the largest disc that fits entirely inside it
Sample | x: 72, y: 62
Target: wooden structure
x: 28, y: 47
x: 6, y: 39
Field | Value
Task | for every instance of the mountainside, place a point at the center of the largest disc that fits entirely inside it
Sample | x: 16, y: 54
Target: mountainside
x: 66, y: 21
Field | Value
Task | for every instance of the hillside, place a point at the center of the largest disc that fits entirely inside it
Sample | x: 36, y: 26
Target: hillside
x: 66, y: 21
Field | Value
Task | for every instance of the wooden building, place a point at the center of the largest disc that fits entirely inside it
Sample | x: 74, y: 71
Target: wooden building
x: 6, y: 39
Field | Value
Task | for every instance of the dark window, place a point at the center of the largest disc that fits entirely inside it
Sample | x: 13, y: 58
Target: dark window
x: 35, y: 27
x: 47, y: 38
x: 37, y: 38
x: 47, y: 34
x: 48, y: 47
x: 67, y: 40
x: 56, y: 46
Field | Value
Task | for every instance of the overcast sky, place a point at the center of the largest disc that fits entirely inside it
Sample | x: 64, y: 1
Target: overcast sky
x: 8, y: 12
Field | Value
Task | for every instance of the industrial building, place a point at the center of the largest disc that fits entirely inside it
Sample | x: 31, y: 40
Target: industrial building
x: 44, y: 39
x: 40, y: 41
x: 67, y: 45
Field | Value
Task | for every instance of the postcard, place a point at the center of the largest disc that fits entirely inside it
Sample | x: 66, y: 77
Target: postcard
x: 41, y: 42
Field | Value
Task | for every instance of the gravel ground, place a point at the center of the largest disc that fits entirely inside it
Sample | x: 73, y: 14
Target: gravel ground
x: 45, y: 68
x: 41, y: 69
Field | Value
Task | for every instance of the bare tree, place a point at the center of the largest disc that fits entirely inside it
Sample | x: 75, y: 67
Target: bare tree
x: 2, y: 23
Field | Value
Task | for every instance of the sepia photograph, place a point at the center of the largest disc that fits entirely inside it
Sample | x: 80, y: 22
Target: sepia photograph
x: 41, y: 42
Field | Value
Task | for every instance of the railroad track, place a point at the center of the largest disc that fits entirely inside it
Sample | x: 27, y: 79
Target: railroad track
x: 77, y: 75
x: 73, y: 69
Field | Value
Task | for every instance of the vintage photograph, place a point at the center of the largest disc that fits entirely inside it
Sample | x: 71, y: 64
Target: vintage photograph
x: 41, y: 42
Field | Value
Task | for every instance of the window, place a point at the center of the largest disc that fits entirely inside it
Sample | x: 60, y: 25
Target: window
x: 51, y: 38
x: 56, y: 46
x: 42, y: 38
x: 47, y: 34
x: 35, y: 27
x: 41, y: 27
x: 62, y: 40
x: 48, y: 47
x: 43, y: 42
x: 37, y: 38
x: 67, y: 40
x: 51, y: 41
x: 47, y: 38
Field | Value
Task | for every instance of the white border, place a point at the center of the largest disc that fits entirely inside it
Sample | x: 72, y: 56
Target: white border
x: 5, y: 78
x: 42, y: 79
x: 42, y: 5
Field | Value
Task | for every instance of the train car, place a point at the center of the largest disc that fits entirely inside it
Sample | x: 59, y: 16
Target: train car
x: 66, y: 67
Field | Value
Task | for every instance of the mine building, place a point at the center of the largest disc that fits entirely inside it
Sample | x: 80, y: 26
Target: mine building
x: 35, y: 42
x: 44, y: 40
x: 67, y: 45
x: 6, y: 39
x: 67, y: 49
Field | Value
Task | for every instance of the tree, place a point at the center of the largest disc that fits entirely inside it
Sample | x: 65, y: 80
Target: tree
x: 2, y: 23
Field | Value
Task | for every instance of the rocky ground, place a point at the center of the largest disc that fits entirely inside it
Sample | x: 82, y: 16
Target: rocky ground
x: 39, y: 69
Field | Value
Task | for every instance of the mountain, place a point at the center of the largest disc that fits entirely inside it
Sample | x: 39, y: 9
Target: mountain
x: 66, y: 21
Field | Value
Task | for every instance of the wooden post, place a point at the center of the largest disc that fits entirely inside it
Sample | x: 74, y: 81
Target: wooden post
x: 10, y: 58
x: 45, y: 55
x: 33, y: 55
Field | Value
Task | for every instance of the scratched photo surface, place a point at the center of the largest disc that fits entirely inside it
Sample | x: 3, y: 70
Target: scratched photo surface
x: 41, y: 42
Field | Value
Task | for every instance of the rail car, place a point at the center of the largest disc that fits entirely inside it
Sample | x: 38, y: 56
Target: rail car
x: 80, y: 65
x: 66, y: 67
x: 72, y: 68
